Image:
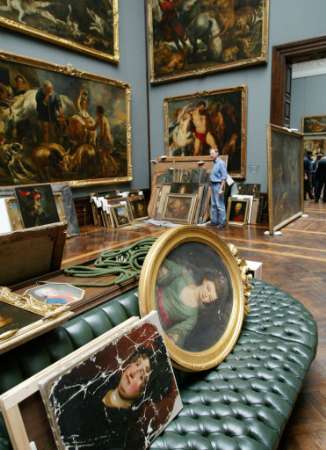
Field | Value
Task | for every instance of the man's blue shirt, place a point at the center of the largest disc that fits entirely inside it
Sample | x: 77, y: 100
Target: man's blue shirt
x: 218, y: 173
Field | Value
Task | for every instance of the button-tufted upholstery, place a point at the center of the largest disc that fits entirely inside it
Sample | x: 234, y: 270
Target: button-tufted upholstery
x: 243, y: 404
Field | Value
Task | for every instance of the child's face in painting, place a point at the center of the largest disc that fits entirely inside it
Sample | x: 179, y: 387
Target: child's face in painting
x: 134, y: 378
x: 207, y: 291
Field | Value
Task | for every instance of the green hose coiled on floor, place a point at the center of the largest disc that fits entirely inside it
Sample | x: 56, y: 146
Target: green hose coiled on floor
x: 125, y: 263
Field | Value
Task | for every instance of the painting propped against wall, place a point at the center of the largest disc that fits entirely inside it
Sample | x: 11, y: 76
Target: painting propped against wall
x: 59, y: 124
x: 285, y: 176
x: 190, y: 38
x: 87, y: 26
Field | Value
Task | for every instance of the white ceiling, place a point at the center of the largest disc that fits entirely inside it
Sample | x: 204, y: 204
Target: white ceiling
x: 309, y: 68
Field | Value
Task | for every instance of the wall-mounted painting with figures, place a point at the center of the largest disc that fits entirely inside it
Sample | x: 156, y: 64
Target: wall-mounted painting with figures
x: 190, y: 38
x: 58, y: 124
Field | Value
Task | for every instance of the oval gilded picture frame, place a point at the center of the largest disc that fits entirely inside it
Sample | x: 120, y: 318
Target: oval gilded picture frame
x: 203, y: 281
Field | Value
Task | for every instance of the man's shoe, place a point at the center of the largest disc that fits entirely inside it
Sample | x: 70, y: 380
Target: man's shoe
x: 221, y: 225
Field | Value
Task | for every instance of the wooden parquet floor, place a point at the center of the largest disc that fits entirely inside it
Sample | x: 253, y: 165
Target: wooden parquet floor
x: 296, y: 263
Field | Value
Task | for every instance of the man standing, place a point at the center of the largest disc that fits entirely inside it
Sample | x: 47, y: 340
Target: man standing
x: 218, y: 178
x: 307, y: 164
x: 49, y: 110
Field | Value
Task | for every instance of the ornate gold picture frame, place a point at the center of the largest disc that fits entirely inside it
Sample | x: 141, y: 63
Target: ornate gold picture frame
x: 51, y: 117
x: 196, y: 38
x: 194, y: 123
x: 285, y: 176
x: 191, y: 277
x: 22, y: 317
x: 314, y: 125
x: 89, y: 27
x: 238, y: 210
x: 179, y: 208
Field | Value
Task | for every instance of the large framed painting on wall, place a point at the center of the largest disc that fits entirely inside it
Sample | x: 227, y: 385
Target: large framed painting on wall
x: 195, y: 37
x: 59, y: 124
x: 194, y: 123
x: 192, y: 279
x: 87, y: 26
x: 285, y: 176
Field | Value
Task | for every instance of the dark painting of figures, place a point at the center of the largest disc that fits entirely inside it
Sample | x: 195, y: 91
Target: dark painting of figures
x: 60, y: 125
x: 84, y: 25
x: 198, y: 122
x: 193, y: 37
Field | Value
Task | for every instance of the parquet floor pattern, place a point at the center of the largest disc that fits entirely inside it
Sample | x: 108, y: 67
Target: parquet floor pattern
x: 296, y: 263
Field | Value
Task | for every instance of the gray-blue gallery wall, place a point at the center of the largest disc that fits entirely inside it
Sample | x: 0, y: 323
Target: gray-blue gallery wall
x: 308, y: 98
x: 290, y: 20
x: 131, y: 69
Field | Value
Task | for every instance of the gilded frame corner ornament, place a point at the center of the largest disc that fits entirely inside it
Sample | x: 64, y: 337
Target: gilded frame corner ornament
x: 241, y: 174
x: 69, y: 70
x: 275, y: 225
x: 210, y: 68
x: 171, y: 239
x: 113, y: 58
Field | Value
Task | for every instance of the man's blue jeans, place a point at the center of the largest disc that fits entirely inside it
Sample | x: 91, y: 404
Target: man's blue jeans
x: 218, y: 213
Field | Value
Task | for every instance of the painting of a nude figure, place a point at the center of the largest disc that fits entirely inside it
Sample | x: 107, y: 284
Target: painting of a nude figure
x: 195, y: 123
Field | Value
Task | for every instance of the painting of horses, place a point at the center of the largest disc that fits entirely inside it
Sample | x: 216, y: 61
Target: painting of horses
x: 58, y: 124
x: 195, y: 123
x: 196, y: 37
x: 82, y: 25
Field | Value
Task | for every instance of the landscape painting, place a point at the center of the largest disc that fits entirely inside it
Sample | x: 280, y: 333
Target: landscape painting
x: 195, y: 37
x: 86, y: 26
x: 195, y: 123
x: 58, y: 124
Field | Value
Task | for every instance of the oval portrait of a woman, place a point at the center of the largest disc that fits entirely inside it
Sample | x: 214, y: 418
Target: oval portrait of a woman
x: 194, y: 296
x: 193, y: 281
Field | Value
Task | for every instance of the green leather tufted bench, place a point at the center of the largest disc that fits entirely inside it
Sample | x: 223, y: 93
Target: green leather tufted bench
x: 243, y: 404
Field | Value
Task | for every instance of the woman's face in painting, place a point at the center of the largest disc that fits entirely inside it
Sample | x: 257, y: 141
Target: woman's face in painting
x: 134, y: 378
x: 207, y: 291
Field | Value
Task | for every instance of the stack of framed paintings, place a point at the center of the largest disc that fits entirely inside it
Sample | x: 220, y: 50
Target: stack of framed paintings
x: 118, y: 209
x: 180, y: 190
x: 192, y: 279
x: 117, y: 391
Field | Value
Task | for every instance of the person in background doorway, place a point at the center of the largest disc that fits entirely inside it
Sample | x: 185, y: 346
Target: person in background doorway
x: 321, y: 179
x: 218, y: 179
x: 307, y: 164
x: 314, y: 169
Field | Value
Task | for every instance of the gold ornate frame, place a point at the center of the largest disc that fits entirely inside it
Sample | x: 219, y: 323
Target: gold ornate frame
x: 246, y: 216
x: 72, y: 72
x: 114, y: 214
x: 49, y: 316
x: 312, y: 133
x: 194, y: 361
x: 72, y: 45
x: 263, y: 58
x: 271, y: 219
x: 190, y: 97
x: 190, y: 214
